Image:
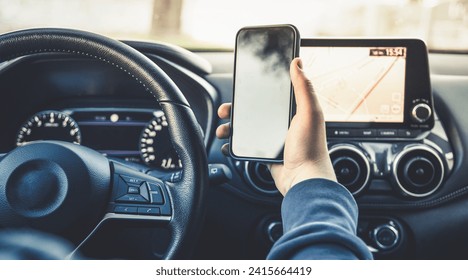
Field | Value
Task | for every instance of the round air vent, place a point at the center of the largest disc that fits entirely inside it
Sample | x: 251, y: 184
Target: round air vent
x: 418, y: 171
x: 351, y: 166
x: 259, y: 177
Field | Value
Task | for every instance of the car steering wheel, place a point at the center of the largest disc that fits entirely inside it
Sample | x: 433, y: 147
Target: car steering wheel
x: 70, y: 190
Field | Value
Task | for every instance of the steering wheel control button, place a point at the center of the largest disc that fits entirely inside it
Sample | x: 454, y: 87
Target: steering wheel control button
x: 176, y: 176
x: 132, y: 180
x: 132, y: 198
x: 156, y: 198
x: 125, y: 209
x: 133, y: 190
x: 154, y: 187
x: 144, y: 191
x: 149, y: 211
x: 173, y: 177
x: 156, y: 194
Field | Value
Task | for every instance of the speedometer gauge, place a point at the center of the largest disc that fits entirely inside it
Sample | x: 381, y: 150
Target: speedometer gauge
x: 155, y: 144
x: 49, y: 125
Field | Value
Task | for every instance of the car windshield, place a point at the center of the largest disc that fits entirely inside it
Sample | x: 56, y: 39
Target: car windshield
x: 212, y: 24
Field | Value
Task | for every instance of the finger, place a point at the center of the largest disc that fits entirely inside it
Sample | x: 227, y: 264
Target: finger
x: 306, y: 99
x: 223, y: 131
x: 224, y: 111
x: 225, y: 150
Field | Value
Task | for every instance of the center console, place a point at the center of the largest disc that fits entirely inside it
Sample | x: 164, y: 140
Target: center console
x: 378, y: 107
x: 385, y: 141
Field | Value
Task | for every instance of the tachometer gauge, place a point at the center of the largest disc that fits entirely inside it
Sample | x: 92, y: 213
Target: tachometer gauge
x: 49, y: 125
x: 155, y: 144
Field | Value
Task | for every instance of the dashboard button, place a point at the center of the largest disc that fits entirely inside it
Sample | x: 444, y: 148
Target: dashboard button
x: 339, y: 132
x: 125, y: 209
x: 408, y: 133
x: 387, y: 132
x: 149, y: 211
x: 131, y: 198
x: 366, y: 133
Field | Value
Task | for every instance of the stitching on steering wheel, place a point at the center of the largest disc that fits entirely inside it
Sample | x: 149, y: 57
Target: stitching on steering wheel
x: 84, y: 54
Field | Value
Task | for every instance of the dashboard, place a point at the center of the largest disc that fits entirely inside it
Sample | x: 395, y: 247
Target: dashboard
x: 135, y: 135
x: 410, y: 188
x: 66, y: 100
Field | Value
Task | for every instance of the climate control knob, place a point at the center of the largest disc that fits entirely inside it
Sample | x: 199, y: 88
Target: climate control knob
x: 386, y: 236
x: 421, y: 112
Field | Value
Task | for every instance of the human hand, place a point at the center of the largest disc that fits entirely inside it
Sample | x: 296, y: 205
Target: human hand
x: 305, y: 152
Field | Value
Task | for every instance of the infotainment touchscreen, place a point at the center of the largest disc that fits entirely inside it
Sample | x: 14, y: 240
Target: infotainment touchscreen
x: 371, y: 87
x: 358, y: 84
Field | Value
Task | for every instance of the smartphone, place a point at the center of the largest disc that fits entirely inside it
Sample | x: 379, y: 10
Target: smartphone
x: 263, y: 98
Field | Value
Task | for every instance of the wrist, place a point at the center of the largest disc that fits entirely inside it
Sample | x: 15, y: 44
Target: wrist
x: 311, y: 170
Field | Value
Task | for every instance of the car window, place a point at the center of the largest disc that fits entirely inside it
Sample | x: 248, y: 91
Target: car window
x: 209, y: 24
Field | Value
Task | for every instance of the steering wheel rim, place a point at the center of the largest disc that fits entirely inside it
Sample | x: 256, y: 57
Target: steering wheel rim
x: 186, y: 195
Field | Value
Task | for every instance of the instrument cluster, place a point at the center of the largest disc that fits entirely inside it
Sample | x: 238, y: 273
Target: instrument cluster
x: 137, y: 135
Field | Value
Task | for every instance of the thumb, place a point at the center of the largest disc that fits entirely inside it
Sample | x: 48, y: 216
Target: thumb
x: 306, y: 99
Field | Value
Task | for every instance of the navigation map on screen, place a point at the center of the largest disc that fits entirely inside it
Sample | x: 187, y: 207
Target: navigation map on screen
x: 358, y: 84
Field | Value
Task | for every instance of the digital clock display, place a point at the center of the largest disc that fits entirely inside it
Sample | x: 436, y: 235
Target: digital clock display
x: 398, y: 51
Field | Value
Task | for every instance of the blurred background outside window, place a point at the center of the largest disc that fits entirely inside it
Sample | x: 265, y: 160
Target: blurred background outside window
x: 212, y: 24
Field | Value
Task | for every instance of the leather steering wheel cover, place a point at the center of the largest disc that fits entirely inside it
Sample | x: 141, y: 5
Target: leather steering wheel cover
x: 188, y: 194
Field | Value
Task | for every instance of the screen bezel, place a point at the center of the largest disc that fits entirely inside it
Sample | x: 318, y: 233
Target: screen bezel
x: 292, y: 105
x: 417, y: 78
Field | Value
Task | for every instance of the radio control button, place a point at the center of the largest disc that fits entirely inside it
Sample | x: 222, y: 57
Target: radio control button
x: 421, y: 112
x: 387, y: 133
x: 340, y: 132
x: 366, y: 133
x: 408, y: 133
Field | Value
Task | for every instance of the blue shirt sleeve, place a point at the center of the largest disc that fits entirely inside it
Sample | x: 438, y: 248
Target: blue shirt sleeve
x: 319, y: 222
